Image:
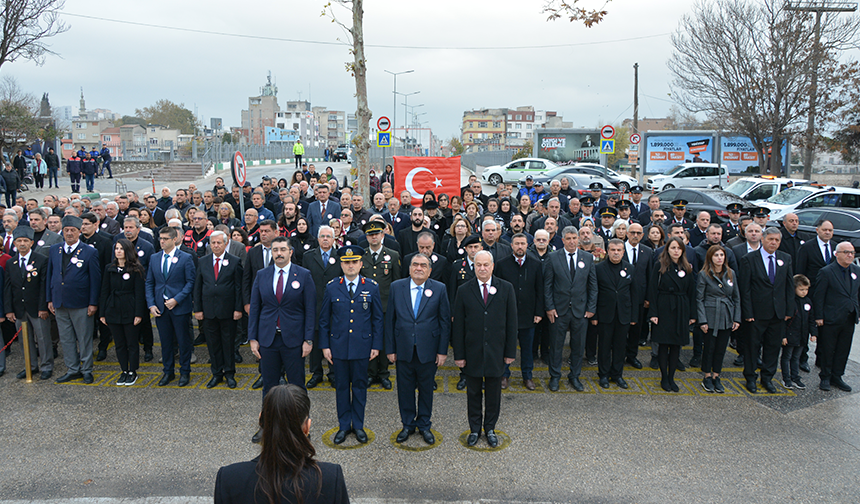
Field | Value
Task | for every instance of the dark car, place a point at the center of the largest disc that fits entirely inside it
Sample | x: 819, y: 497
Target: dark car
x: 554, y: 174
x: 712, y: 200
x: 341, y: 153
x: 846, y: 224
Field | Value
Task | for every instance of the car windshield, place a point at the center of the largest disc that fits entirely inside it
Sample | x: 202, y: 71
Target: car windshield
x: 555, y: 171
x: 739, y: 187
x: 725, y: 197
x: 790, y: 196
x: 674, y: 170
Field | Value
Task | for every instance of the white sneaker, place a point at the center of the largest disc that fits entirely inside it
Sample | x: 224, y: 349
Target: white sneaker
x: 131, y: 379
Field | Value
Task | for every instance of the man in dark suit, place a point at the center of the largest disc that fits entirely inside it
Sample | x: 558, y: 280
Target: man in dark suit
x: 615, y: 294
x: 791, y: 241
x: 837, y: 306
x: 417, y: 326
x: 350, y: 336
x: 645, y: 215
x: 43, y: 237
x: 700, y: 229
x: 767, y: 290
x: 525, y: 275
x: 491, y: 233
x: 259, y: 257
x: 156, y: 213
x: 322, y: 263
x: 219, y: 275
x: 169, y: 284
x: 24, y: 300
x: 484, y: 337
x: 408, y: 236
x: 321, y: 211
x: 441, y: 266
x: 281, y: 320
x: 395, y: 217
x: 73, y: 289
x: 639, y: 256
x: 570, y: 295
x: 382, y: 264
x: 811, y: 257
x: 463, y: 270
x: 637, y: 206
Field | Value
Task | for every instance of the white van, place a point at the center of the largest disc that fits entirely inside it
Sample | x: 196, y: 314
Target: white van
x: 761, y: 187
x: 704, y: 175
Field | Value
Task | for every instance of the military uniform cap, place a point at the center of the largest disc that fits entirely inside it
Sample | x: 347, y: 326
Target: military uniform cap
x: 608, y: 211
x: 637, y: 189
x: 72, y: 221
x: 586, y: 201
x: 680, y: 204
x: 734, y: 207
x: 350, y: 253
x: 471, y: 240
x: 23, y: 232
x: 373, y: 227
x: 595, y: 186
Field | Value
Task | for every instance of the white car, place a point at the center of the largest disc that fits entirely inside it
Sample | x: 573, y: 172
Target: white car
x: 810, y: 196
x: 695, y: 175
x: 621, y: 181
x: 515, y: 170
x: 761, y: 187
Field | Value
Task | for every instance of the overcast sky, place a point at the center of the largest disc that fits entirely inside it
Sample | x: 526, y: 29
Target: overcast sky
x: 122, y: 67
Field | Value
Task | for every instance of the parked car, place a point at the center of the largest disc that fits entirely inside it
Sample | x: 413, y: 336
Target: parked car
x: 846, y: 224
x: 809, y: 196
x: 341, y: 153
x: 761, y: 187
x: 580, y: 182
x: 714, y: 201
x: 515, y: 170
x: 696, y: 175
x: 621, y: 181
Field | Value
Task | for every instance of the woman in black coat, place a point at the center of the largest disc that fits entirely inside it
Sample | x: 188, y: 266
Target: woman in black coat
x: 123, y: 307
x: 672, y: 301
x: 301, y: 240
x: 286, y: 470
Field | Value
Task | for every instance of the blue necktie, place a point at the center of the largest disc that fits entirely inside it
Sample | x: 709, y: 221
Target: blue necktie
x: 827, y: 256
x: 417, y: 301
x: 771, y: 270
x: 325, y: 257
x: 164, y: 265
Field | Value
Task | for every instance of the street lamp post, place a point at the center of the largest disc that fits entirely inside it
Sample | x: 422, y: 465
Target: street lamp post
x: 405, y: 112
x: 394, y: 118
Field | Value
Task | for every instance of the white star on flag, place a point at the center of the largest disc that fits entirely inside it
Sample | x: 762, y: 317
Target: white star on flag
x: 437, y: 182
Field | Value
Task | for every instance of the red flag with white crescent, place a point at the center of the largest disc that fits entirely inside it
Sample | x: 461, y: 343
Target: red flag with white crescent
x: 421, y: 174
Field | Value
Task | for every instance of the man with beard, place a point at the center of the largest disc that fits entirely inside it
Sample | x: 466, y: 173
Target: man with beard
x: 197, y: 238
x: 408, y: 237
x: 360, y: 215
x: 288, y: 218
x: 517, y: 226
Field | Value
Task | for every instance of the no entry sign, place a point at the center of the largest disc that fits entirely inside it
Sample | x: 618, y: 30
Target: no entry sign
x: 607, y: 131
x: 239, y: 169
x: 383, y: 124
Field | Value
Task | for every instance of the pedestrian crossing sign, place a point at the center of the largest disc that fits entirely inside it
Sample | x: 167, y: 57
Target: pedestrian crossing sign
x: 383, y: 139
x: 607, y: 145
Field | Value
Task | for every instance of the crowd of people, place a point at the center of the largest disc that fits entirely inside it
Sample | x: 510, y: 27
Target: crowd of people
x: 359, y: 285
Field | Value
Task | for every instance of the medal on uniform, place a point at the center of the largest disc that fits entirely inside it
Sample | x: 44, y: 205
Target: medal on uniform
x: 385, y: 271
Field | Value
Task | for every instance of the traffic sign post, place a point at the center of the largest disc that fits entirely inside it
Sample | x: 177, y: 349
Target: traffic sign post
x: 607, y: 146
x: 383, y: 139
x: 607, y: 131
x: 383, y: 124
x: 240, y: 176
x: 635, y: 138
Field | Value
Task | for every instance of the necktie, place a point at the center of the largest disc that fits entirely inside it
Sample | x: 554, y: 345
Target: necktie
x: 486, y: 294
x: 827, y: 256
x: 8, y: 245
x: 23, y: 264
x: 572, y: 266
x: 520, y: 262
x: 217, y: 267
x: 164, y: 265
x: 634, y: 256
x: 771, y: 270
x: 375, y: 257
x: 267, y: 256
x: 420, y: 290
x: 325, y: 257
x: 351, y: 290
x: 323, y: 210
x: 279, y: 290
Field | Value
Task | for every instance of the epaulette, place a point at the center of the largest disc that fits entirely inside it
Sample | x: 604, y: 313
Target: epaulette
x: 374, y: 282
x: 332, y: 280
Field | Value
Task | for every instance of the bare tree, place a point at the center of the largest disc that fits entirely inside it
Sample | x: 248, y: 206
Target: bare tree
x: 27, y: 24
x: 358, y: 69
x: 18, y: 110
x: 748, y: 66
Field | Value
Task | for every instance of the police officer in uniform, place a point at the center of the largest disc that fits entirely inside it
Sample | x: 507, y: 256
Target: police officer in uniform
x: 463, y: 271
x: 351, y: 336
x: 731, y: 228
x: 600, y: 201
x: 382, y: 264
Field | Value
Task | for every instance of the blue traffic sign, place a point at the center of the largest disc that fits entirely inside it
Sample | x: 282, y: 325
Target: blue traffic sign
x: 383, y: 139
x: 607, y: 146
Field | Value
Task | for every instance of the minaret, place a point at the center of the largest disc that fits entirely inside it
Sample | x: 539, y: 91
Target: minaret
x: 83, y: 110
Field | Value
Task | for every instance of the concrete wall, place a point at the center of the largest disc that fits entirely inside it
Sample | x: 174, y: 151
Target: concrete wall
x: 122, y: 167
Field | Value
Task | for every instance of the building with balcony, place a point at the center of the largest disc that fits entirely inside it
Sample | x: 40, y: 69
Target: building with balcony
x: 484, y: 129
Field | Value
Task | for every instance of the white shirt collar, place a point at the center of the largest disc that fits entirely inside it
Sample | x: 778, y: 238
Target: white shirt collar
x: 26, y: 258
x: 285, y: 269
x: 413, y: 285
x: 72, y: 247
x: 481, y: 284
x: 214, y: 257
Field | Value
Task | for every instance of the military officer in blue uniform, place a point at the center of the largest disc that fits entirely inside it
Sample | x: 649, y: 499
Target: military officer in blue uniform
x: 350, y: 337
x: 600, y: 201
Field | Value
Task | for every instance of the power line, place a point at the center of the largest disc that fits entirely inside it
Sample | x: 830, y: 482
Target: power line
x: 378, y: 46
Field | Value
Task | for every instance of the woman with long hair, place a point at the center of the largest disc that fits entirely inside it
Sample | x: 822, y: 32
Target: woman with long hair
x: 718, y: 311
x: 655, y: 237
x: 241, y: 236
x: 524, y: 207
x: 473, y: 215
x: 282, y: 183
x: 123, y: 302
x: 619, y: 229
x: 672, y: 308
x: 428, y: 196
x: 388, y: 175
x: 285, y: 470
x: 297, y: 177
x: 302, y: 240
x: 460, y: 229
x: 227, y: 216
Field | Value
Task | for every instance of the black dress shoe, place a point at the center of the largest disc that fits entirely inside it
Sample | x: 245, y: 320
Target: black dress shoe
x: 664, y: 384
x: 200, y: 340
x: 681, y: 366
x: 841, y: 385
x: 673, y: 385
x: 258, y: 383
x: 257, y: 437
x: 492, y: 439
x: 23, y: 374
x: 472, y: 440
x: 184, y: 379
x: 88, y: 378
x: 824, y: 385
x: 461, y: 384
x: 386, y: 383
x: 768, y: 385
x: 69, y: 377
x: 165, y: 379
x: 739, y: 361
x: 604, y: 382
x: 751, y: 387
x: 576, y: 384
x: 635, y: 363
x: 231, y: 382
x: 332, y: 382
x: 237, y: 357
x: 553, y: 384
x: 361, y: 436
x: 314, y: 381
x: 214, y: 382
x: 46, y: 375
x: 804, y: 367
x: 696, y: 362
x: 102, y: 355
x: 340, y: 436
x: 435, y: 385
x: 654, y: 364
x: 404, y: 435
x: 428, y: 436
x: 621, y: 383
x: 147, y: 357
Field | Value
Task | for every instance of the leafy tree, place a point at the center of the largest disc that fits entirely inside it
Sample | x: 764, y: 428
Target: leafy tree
x: 622, y: 140
x: 456, y: 146
x: 18, y: 116
x: 126, y: 120
x: 167, y: 113
x: 525, y: 152
x: 26, y: 25
x: 227, y: 138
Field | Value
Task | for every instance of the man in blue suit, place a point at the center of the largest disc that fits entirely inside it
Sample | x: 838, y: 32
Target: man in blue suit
x: 350, y: 337
x: 417, y: 326
x: 321, y: 211
x: 169, y: 283
x: 74, y: 286
x: 283, y: 296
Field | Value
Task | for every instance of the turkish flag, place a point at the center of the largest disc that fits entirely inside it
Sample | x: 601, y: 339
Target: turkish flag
x: 421, y: 174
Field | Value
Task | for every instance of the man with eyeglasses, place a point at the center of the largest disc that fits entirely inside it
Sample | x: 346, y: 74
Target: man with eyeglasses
x: 811, y: 257
x: 639, y: 256
x: 197, y: 238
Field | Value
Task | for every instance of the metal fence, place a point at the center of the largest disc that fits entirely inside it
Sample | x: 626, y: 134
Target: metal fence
x: 472, y: 160
x: 214, y: 151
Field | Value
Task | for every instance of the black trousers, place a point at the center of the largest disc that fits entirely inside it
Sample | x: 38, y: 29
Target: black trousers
x: 220, y: 336
x: 127, y: 349
x: 276, y: 357
x: 634, y: 333
x: 490, y: 391
x: 412, y: 375
x: 698, y: 341
x: 104, y: 333
x: 590, y: 341
x: 315, y: 360
x: 763, y: 337
x: 540, y: 346
x: 834, y: 342
x: 611, y: 348
x: 714, y: 350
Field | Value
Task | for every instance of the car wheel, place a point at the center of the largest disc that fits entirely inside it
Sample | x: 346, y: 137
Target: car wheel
x: 495, y: 179
x: 624, y: 186
x: 667, y: 186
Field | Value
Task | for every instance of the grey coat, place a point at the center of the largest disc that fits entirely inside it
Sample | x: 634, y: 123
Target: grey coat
x: 718, y: 301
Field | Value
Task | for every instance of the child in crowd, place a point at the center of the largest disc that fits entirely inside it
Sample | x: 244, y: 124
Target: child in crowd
x: 797, y: 329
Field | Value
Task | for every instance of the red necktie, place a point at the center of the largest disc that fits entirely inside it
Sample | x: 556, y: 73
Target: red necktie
x: 279, y: 290
x: 486, y: 294
x: 520, y: 262
x: 218, y: 268
x: 322, y: 213
x: 8, y: 246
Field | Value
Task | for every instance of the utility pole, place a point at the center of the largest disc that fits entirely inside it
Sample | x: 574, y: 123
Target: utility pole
x: 635, y: 106
x: 818, y: 7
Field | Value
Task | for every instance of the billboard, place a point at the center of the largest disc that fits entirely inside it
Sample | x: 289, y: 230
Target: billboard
x: 739, y: 154
x: 663, y: 152
x: 565, y: 147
